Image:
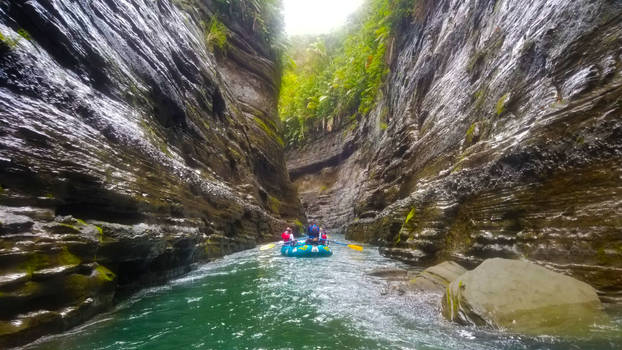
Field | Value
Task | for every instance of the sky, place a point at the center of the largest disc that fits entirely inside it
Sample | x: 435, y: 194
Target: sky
x: 316, y: 16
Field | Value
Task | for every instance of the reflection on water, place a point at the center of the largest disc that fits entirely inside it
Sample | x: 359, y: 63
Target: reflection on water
x: 260, y: 300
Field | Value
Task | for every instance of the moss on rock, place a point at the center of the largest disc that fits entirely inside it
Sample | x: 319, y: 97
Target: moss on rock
x: 105, y: 274
x: 274, y: 204
x: 67, y: 258
x: 24, y: 34
x: 269, y: 131
x: 36, y: 261
x: 501, y: 104
x: 469, y: 134
x: 8, y: 41
x: 216, y: 36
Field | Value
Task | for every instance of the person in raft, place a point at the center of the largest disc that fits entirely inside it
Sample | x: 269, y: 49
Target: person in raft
x: 323, y: 237
x: 313, y: 233
x: 288, y: 237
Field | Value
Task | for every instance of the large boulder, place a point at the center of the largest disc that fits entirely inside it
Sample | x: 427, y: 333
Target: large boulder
x: 437, y: 277
x: 522, y: 297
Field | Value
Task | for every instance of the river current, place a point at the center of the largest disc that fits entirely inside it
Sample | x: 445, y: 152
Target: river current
x: 261, y: 300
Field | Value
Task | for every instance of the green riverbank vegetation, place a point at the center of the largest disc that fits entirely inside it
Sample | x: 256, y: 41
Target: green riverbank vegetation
x: 334, y: 79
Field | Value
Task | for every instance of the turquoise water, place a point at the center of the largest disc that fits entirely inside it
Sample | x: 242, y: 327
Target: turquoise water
x: 260, y: 300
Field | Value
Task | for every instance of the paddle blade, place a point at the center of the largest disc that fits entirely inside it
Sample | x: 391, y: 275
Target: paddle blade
x: 355, y: 247
x: 267, y: 246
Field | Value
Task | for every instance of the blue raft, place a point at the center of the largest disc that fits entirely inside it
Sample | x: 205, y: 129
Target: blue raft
x: 306, y: 251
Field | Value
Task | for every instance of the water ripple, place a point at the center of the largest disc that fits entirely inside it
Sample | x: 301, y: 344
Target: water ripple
x: 260, y: 300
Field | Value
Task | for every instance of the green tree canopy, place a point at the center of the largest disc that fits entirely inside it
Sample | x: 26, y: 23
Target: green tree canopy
x: 334, y: 79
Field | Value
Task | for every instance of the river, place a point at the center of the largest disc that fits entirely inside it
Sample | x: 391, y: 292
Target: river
x: 260, y: 300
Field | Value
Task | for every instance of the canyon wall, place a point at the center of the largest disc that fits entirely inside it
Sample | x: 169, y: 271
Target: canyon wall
x: 132, y: 144
x: 498, y: 134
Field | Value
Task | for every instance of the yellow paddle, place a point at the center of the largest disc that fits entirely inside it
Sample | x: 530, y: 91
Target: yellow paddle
x: 355, y: 247
x: 351, y: 246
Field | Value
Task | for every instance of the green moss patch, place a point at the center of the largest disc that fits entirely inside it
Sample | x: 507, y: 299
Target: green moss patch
x: 35, y: 262
x: 79, y: 287
x: 410, y: 215
x: 469, y: 134
x: 66, y: 258
x: 216, y: 37
x: 274, y: 204
x: 475, y: 60
x: 8, y: 41
x: 100, y: 233
x: 105, y: 274
x: 72, y: 228
x: 268, y: 130
x: 501, y: 104
x: 480, y: 98
x: 42, y: 260
x: 24, y: 34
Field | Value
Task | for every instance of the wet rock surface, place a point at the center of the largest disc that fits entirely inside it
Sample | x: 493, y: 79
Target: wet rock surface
x: 432, y: 281
x: 390, y: 274
x: 522, y: 297
x: 503, y: 138
x: 437, y: 277
x: 128, y: 151
x: 11, y: 223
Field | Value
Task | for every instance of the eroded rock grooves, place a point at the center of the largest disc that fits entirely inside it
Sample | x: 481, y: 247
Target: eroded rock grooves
x: 503, y: 139
x: 128, y: 151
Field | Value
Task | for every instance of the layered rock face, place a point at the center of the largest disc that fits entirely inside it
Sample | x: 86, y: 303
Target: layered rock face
x: 503, y: 138
x: 128, y: 151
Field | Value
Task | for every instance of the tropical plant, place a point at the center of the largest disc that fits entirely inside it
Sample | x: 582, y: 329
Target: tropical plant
x: 333, y: 80
x: 216, y: 36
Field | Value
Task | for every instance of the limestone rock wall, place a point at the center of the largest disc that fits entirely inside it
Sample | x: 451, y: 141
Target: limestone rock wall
x: 128, y: 151
x: 503, y: 139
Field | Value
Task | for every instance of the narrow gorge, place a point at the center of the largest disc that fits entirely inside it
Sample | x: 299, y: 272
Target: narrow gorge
x: 148, y: 146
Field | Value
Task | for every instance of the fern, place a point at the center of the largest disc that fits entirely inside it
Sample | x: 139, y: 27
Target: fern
x: 216, y: 36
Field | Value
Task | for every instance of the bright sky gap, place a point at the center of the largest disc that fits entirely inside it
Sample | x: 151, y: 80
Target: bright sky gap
x: 316, y: 16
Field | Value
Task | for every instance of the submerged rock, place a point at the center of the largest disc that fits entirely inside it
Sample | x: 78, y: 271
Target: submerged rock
x: 521, y: 297
x: 389, y: 273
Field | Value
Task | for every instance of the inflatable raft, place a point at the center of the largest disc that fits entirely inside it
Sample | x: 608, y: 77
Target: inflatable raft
x: 303, y: 250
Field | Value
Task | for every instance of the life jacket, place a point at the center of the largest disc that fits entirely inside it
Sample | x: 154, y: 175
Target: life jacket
x: 285, y: 236
x: 323, y: 239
